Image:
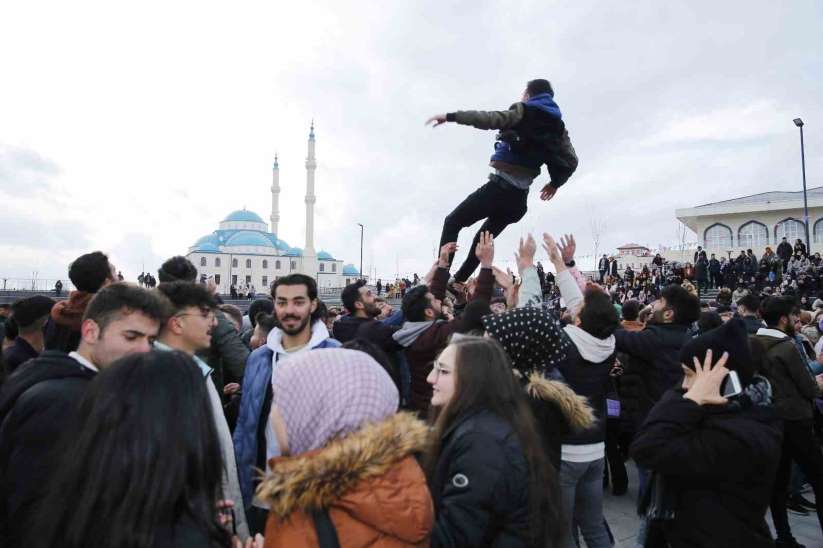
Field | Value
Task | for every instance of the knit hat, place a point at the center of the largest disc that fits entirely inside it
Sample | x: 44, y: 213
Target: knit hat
x: 326, y: 393
x: 818, y: 303
x: 531, y: 337
x: 730, y: 337
x: 27, y: 311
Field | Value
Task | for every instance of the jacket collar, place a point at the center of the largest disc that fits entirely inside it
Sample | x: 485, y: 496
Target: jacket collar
x: 773, y: 333
x: 319, y: 333
x: 316, y: 479
x: 591, y: 348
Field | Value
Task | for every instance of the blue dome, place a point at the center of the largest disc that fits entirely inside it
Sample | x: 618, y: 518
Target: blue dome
x: 294, y: 252
x: 206, y: 247
x: 208, y: 239
x: 324, y: 255
x: 248, y: 237
x: 277, y: 242
x: 350, y: 270
x: 243, y: 215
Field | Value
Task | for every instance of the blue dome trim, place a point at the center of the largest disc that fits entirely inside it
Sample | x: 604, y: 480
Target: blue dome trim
x: 249, y: 237
x: 206, y: 247
x: 350, y: 270
x: 243, y: 215
x: 325, y: 256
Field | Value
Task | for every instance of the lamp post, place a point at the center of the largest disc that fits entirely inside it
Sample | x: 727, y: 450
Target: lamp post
x: 361, y: 250
x: 799, y: 123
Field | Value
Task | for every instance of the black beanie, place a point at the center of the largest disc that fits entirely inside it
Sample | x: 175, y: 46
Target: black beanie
x: 28, y: 311
x: 730, y: 337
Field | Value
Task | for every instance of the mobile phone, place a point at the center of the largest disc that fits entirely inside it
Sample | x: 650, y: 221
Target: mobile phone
x: 731, y: 386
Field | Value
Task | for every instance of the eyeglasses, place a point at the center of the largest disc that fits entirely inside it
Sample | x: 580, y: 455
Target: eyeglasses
x: 205, y: 313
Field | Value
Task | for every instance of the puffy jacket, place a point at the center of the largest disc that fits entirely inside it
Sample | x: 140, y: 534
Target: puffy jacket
x: 37, y: 404
x: 793, y: 386
x: 369, y: 481
x: 255, y: 405
x: 653, y: 367
x: 719, y: 463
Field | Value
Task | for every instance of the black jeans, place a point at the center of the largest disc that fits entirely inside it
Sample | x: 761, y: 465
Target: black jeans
x: 500, y: 203
x: 800, y: 446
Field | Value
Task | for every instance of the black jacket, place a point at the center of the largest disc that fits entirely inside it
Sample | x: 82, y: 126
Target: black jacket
x: 592, y: 381
x: 480, y: 488
x: 37, y: 404
x: 17, y: 354
x: 227, y: 353
x: 785, y: 250
x: 653, y: 368
x: 719, y: 464
x: 752, y: 324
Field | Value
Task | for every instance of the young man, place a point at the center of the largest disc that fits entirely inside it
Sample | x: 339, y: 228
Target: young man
x: 362, y: 319
x: 226, y: 354
x: 602, y: 267
x: 534, y: 134
x: 189, y: 330
x: 30, y: 315
x: 89, y: 273
x: 425, y: 333
x: 300, y: 330
x: 794, y: 390
x: 37, y: 404
x: 747, y: 308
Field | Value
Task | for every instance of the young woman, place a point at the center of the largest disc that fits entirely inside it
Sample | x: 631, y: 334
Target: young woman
x: 145, y: 470
x: 348, y: 477
x: 490, y: 479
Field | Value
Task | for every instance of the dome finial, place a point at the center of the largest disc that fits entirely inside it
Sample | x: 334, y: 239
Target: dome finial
x: 311, y: 132
x: 276, y: 165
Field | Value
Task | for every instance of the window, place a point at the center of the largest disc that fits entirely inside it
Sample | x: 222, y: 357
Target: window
x: 265, y: 265
x: 248, y: 280
x: 818, y: 232
x: 265, y: 281
x: 294, y: 265
x: 217, y: 261
x: 277, y: 265
x: 248, y: 263
x: 753, y: 235
x: 322, y: 267
x: 792, y: 229
x: 217, y: 277
x: 234, y: 279
x: 717, y: 236
x: 234, y: 263
x: 334, y: 267
x: 202, y: 261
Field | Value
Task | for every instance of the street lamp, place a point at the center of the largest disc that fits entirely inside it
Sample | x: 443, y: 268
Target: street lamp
x: 361, y: 250
x: 799, y: 123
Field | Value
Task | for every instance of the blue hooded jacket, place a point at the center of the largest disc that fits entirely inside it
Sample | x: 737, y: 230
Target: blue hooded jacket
x: 503, y: 151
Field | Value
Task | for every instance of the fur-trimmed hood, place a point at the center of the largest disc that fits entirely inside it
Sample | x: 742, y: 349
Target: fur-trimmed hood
x: 319, y: 479
x: 575, y: 408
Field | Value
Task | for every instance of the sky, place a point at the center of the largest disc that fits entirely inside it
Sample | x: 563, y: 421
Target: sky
x: 134, y: 128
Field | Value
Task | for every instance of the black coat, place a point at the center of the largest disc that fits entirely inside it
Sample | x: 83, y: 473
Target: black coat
x: 37, y: 404
x: 720, y: 465
x: 17, y: 354
x: 480, y: 488
x: 653, y: 367
x: 784, y: 250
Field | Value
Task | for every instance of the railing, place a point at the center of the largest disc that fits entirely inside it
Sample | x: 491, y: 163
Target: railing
x: 33, y: 284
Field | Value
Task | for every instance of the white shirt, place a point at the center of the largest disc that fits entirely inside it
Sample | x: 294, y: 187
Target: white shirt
x: 83, y: 361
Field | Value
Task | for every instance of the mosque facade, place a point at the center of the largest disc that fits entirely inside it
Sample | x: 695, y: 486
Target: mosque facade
x: 244, y: 251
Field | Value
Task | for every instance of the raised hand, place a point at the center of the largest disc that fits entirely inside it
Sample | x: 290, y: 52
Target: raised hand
x: 485, y: 249
x: 436, y: 120
x: 567, y: 247
x: 503, y: 279
x: 705, y: 389
x: 525, y: 253
x: 445, y: 252
x: 548, y: 192
x: 554, y: 253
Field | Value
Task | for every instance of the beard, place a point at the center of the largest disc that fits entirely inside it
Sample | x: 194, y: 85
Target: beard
x: 301, y: 324
x: 790, y: 330
x: 372, y: 311
x: 657, y: 317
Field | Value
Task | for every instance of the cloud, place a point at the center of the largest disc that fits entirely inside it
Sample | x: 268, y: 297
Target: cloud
x: 24, y: 171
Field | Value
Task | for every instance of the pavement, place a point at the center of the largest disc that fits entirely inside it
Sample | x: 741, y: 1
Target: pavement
x: 621, y: 514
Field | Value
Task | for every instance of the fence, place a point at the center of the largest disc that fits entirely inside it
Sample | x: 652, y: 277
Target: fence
x: 33, y: 284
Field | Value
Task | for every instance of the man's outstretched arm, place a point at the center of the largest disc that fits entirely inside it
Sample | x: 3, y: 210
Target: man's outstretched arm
x: 481, y: 119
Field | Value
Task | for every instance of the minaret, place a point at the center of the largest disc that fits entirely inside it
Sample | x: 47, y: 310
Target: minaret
x: 311, y: 165
x: 275, y: 196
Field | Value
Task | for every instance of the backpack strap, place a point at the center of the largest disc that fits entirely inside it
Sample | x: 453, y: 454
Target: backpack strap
x: 326, y: 532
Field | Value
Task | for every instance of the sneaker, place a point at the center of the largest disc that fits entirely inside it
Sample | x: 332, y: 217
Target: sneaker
x: 794, y: 506
x: 804, y: 502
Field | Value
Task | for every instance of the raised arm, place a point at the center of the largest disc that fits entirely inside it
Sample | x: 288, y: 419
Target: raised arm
x: 484, y: 251
x: 566, y: 283
x: 440, y: 279
x: 481, y: 119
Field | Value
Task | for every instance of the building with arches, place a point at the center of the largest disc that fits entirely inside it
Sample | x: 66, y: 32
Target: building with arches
x: 755, y: 222
x: 245, y: 251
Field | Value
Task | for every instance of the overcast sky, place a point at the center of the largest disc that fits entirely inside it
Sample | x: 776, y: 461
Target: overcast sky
x: 134, y: 128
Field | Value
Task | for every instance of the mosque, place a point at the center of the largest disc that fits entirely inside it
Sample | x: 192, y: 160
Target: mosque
x: 244, y: 252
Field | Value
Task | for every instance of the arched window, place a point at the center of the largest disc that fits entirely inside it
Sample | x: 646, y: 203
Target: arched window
x: 791, y: 229
x: 248, y: 263
x: 818, y: 231
x: 717, y: 236
x: 202, y: 261
x: 293, y: 265
x: 322, y: 267
x: 265, y: 265
x: 753, y: 235
x: 217, y: 261
x: 234, y: 263
x: 334, y: 267
x: 277, y: 265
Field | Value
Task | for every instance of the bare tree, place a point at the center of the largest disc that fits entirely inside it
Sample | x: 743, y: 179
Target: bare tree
x: 597, y: 225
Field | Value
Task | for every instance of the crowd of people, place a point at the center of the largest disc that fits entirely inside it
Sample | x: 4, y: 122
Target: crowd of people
x: 493, y: 411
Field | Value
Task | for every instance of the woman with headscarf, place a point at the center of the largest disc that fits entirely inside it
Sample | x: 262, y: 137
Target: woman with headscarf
x: 713, y: 459
x: 348, y: 476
